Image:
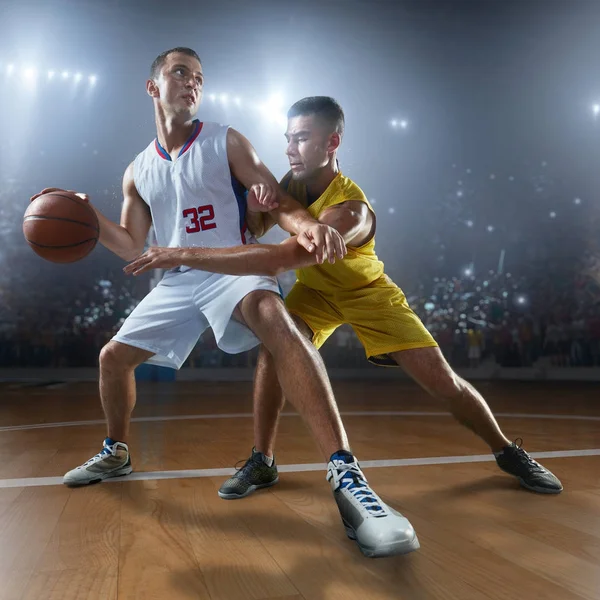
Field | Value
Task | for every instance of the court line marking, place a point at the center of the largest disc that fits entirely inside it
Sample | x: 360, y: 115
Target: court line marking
x: 299, y: 468
x: 383, y: 413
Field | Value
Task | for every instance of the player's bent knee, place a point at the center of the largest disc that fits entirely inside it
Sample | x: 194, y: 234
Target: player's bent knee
x: 115, y: 356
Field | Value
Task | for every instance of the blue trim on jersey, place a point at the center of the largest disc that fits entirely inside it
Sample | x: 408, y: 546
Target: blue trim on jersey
x: 164, y: 154
x: 241, y: 195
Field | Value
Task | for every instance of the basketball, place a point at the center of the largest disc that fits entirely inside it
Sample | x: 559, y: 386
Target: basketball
x: 61, y: 227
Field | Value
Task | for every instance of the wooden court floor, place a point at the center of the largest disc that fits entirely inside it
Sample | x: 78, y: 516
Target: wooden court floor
x: 163, y: 533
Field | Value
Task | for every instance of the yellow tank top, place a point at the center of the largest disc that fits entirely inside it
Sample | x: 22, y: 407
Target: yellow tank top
x: 360, y: 266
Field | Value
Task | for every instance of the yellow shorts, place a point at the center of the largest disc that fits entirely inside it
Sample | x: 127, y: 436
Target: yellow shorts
x: 378, y: 313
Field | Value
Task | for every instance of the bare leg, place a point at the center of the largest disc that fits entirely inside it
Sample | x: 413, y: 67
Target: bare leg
x: 117, y: 386
x: 268, y: 397
x: 429, y: 369
x: 299, y: 367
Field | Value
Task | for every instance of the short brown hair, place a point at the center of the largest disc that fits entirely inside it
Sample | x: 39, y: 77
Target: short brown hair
x: 324, y: 107
x: 159, y: 61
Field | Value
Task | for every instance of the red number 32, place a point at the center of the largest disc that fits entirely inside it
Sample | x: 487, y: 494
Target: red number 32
x: 199, y: 221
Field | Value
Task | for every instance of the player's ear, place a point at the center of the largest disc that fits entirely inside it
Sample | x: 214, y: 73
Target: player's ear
x: 334, y: 142
x: 152, y: 88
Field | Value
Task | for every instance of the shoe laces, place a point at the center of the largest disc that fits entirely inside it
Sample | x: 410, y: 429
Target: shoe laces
x: 524, y: 458
x: 352, y: 479
x: 249, y: 465
x: 106, y: 451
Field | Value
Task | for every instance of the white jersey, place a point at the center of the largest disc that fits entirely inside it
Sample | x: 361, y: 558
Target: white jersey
x: 194, y: 200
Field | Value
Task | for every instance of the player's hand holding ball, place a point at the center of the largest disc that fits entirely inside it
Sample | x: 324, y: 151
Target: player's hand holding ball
x: 60, y: 225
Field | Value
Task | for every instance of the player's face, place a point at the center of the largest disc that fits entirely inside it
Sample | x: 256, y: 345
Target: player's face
x: 309, y: 146
x: 180, y: 84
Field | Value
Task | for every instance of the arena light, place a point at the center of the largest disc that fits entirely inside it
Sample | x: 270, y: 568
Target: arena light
x: 577, y: 201
x: 468, y: 272
x: 51, y: 74
x: 469, y: 223
x: 78, y: 77
x: 30, y: 73
x: 10, y: 69
x: 237, y: 101
x: 224, y: 98
x: 65, y: 74
x: 213, y: 97
x: 391, y: 210
x: 490, y: 228
x: 92, y: 79
x: 404, y: 124
x: 596, y: 109
x: 273, y: 109
x: 521, y: 300
x: 552, y: 215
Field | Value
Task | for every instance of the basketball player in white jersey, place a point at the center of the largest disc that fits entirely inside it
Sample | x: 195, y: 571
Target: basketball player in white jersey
x: 188, y: 184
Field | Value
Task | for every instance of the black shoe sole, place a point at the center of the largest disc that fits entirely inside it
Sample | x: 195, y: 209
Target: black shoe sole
x: 539, y: 490
x: 249, y: 491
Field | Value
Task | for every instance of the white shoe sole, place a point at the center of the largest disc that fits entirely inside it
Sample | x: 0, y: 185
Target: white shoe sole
x: 98, y: 477
x: 392, y: 549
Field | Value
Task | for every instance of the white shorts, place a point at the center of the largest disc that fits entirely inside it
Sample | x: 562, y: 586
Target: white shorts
x: 171, y: 318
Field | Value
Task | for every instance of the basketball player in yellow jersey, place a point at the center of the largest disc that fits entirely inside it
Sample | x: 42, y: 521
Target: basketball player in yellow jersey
x: 356, y: 290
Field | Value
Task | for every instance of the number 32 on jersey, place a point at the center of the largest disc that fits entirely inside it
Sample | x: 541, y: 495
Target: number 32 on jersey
x: 200, y: 219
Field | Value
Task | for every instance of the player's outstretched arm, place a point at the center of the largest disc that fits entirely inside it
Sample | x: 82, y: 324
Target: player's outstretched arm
x: 291, y: 216
x: 253, y: 259
x: 353, y: 221
x: 128, y: 239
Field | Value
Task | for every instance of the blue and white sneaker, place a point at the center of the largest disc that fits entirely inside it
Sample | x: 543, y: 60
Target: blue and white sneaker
x: 378, y: 529
x: 112, y: 461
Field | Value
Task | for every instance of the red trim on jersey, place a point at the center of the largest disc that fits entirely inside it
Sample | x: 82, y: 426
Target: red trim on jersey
x: 191, y: 140
x: 243, y: 233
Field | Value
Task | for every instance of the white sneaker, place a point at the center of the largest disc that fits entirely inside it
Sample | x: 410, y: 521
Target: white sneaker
x: 112, y: 461
x: 378, y: 529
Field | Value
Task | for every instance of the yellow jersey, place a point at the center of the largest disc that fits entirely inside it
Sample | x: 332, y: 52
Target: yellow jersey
x: 360, y: 266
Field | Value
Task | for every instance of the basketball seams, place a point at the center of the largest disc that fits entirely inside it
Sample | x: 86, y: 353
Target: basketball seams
x: 43, y: 217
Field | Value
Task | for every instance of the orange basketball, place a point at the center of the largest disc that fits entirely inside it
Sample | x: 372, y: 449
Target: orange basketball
x: 61, y: 227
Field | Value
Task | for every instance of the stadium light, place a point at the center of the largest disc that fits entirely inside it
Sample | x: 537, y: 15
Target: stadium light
x: 10, y: 69
x: 93, y: 79
x: 78, y: 77
x: 65, y: 74
x: 596, y: 109
x: 51, y: 74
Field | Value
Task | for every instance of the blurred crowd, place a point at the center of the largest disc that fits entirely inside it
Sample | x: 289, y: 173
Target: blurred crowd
x: 61, y: 316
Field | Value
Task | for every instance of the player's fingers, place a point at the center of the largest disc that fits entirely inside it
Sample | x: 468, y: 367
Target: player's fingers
x: 321, y: 243
x: 330, y: 246
x: 44, y: 191
x: 306, y: 242
x: 340, y: 246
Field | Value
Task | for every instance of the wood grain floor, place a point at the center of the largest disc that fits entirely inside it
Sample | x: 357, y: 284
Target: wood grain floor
x: 481, y: 535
